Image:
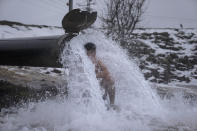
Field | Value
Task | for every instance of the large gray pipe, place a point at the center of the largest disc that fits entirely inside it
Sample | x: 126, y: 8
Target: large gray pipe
x: 38, y: 51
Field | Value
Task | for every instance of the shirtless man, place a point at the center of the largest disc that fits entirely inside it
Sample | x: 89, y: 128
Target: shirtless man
x: 102, y: 73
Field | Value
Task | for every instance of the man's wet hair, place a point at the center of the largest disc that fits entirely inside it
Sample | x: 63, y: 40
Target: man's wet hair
x: 90, y: 46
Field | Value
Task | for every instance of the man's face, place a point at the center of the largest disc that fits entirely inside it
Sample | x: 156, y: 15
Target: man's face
x: 91, y: 53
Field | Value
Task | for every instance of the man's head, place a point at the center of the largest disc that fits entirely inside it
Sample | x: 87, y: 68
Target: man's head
x: 90, y: 49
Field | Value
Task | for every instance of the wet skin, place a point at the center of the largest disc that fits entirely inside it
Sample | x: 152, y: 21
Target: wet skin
x: 103, y: 76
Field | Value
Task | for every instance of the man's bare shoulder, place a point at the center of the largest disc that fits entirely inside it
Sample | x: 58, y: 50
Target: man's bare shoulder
x: 102, y: 66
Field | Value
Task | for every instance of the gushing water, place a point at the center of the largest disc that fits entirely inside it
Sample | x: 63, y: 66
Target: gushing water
x: 84, y: 109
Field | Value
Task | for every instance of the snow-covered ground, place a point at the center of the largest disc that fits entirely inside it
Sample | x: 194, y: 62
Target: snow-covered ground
x: 168, y: 54
x: 21, y: 31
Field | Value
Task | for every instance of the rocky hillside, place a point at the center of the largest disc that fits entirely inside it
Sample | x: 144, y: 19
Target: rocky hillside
x: 166, y: 55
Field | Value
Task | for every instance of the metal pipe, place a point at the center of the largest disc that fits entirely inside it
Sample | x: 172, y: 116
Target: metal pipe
x: 37, y: 52
x: 88, y: 5
x: 70, y: 5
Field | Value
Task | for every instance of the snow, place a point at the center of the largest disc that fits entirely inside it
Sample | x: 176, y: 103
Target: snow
x: 184, y: 47
x: 20, y: 31
x: 184, y: 43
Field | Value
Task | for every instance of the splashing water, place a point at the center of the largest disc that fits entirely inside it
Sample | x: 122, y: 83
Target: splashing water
x: 84, y: 108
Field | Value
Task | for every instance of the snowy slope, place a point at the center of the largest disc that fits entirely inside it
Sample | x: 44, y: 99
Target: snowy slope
x: 19, y: 30
x: 166, y: 55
